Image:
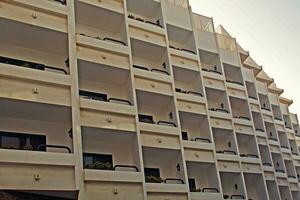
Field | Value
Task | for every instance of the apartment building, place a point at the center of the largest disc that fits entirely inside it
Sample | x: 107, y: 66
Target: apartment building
x: 137, y: 100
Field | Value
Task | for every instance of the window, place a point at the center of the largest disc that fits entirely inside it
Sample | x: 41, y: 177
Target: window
x: 184, y: 135
x: 146, y: 119
x: 97, y: 161
x: 152, y: 172
x: 192, y: 185
x: 22, y: 141
x: 93, y: 95
x: 152, y: 175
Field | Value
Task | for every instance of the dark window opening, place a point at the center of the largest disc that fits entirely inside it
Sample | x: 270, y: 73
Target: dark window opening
x: 21, y: 141
x: 97, y: 161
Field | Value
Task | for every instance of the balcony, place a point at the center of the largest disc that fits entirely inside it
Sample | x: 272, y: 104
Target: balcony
x: 252, y: 94
x: 210, y: 63
x: 294, y: 118
x: 103, y: 160
x: 290, y: 169
x: 156, y: 112
x: 182, y: 18
x: 273, y: 190
x: 296, y: 194
x: 233, y: 75
x: 217, y: 101
x: 278, y: 164
x: 164, y: 170
x: 271, y: 132
x: 265, y: 156
x: 195, y: 128
x: 232, y: 185
x: 240, y: 110
x: 284, y: 105
x: 277, y: 113
x: 287, y: 122
x: 228, y: 49
x: 296, y: 130
x: 247, y: 146
x: 248, y: 75
x: 225, y: 144
x: 150, y: 60
x: 264, y: 103
x: 294, y: 148
x: 145, y: 13
x: 187, y: 82
x: 285, y: 192
x: 38, y: 135
x: 21, y: 51
x: 182, y: 42
x: 284, y: 143
x: 203, y: 180
x: 91, y: 23
x: 96, y: 87
x: 205, y: 33
x: 255, y: 186
x: 42, y: 129
x: 258, y: 122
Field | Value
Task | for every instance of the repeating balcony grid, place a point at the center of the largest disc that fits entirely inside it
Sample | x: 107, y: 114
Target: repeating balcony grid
x: 137, y: 100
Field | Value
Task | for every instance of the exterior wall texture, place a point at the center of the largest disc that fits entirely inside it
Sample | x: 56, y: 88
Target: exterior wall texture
x: 137, y: 100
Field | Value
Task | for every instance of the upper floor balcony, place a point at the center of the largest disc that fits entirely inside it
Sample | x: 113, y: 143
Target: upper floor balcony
x: 182, y: 17
x: 146, y: 15
x: 205, y: 33
x: 228, y: 49
x: 36, y: 138
x: 91, y: 24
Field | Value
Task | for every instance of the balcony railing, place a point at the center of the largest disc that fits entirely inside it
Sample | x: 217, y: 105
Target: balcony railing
x: 203, y: 23
x: 181, y: 3
x: 226, y: 42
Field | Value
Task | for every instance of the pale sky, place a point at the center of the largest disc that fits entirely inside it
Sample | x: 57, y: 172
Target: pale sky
x: 269, y: 30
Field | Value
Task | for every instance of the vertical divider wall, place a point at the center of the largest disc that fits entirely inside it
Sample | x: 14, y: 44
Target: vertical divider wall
x: 76, y: 128
x: 205, y: 96
x: 135, y: 101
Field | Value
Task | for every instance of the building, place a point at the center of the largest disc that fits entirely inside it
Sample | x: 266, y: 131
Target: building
x: 137, y: 99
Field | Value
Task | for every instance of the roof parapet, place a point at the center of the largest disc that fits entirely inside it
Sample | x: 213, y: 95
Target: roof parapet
x: 249, y: 63
x: 263, y: 76
x: 274, y: 89
x: 285, y: 101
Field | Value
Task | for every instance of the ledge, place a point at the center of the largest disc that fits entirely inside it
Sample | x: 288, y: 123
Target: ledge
x: 13, y: 71
x: 169, y: 188
x: 112, y: 176
x: 107, y: 107
x: 154, y: 128
x: 197, y: 145
x: 38, y: 158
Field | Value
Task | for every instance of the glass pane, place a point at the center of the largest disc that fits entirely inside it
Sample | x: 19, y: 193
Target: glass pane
x: 10, y: 142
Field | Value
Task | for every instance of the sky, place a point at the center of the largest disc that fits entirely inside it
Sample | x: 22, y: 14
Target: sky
x: 269, y: 30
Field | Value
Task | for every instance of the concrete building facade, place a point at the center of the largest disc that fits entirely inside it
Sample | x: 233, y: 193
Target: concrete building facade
x: 137, y: 100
